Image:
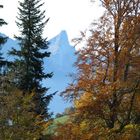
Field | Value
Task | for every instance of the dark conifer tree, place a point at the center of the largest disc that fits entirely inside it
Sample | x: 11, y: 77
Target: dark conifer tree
x: 3, y: 63
x: 28, y: 64
x: 2, y: 41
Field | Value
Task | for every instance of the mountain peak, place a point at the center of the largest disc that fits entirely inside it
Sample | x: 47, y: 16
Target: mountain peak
x: 63, y: 34
x: 59, y: 40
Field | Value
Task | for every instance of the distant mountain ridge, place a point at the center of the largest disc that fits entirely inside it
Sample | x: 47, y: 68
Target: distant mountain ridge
x: 60, y: 63
x: 61, y: 49
x: 57, y: 41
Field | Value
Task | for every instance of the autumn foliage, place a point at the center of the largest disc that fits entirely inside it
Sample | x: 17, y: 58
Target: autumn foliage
x: 106, y: 89
x: 105, y: 92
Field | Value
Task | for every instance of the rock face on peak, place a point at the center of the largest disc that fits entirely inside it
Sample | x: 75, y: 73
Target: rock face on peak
x: 62, y: 53
x: 59, y: 40
x: 61, y: 64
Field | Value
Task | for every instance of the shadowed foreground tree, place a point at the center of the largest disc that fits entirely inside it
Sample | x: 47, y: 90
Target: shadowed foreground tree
x: 2, y: 41
x: 17, y: 121
x: 106, y: 91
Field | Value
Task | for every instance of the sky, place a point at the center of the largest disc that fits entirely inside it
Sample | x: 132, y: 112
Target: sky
x: 70, y: 15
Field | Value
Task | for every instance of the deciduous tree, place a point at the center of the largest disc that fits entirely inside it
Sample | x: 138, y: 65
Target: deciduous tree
x: 107, y: 84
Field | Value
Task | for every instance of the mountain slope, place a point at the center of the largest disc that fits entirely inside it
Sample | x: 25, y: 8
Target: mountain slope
x: 60, y: 63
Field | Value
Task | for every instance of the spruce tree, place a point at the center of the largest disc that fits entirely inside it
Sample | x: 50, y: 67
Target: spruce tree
x: 28, y: 64
x: 3, y: 62
x: 2, y: 41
